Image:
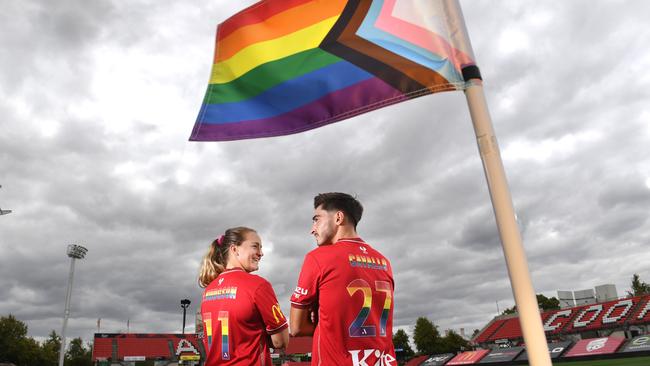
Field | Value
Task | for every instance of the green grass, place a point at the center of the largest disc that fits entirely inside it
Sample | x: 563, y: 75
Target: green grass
x: 636, y: 361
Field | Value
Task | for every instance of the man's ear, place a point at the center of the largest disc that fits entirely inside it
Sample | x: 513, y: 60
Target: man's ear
x: 339, y: 217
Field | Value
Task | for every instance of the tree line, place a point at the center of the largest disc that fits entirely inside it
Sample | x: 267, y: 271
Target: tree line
x: 17, y: 348
x: 428, y: 341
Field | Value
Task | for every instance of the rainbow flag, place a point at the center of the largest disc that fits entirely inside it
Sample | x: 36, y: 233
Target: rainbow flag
x: 286, y: 66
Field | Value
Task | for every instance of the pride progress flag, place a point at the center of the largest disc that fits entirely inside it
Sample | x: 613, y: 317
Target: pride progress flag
x: 286, y: 66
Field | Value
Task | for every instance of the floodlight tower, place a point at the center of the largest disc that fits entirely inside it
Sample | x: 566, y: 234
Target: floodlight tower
x: 185, y: 303
x: 74, y: 252
x: 4, y: 212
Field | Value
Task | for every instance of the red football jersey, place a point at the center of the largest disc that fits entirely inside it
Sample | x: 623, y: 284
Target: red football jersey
x: 239, y: 313
x: 352, y: 286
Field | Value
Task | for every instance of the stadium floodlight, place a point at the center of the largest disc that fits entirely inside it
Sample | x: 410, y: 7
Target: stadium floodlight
x: 185, y: 303
x: 74, y: 252
x: 4, y: 212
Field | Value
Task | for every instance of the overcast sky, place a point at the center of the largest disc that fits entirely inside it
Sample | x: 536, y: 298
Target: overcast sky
x: 98, y: 99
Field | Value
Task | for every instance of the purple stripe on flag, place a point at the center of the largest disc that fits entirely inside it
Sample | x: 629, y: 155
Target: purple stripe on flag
x: 345, y: 103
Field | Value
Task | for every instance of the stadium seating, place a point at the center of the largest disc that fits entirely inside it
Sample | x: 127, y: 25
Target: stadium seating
x: 149, y: 346
x: 103, y: 348
x: 489, y: 331
x: 509, y: 330
x: 642, y: 313
x: 416, y: 361
x: 611, y: 314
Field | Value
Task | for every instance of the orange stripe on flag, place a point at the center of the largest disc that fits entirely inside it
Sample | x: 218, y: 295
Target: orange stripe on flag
x: 286, y: 22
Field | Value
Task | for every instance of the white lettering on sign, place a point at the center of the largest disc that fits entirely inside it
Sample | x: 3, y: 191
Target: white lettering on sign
x: 623, y: 303
x: 645, y: 310
x: 596, y: 309
x: 560, y: 314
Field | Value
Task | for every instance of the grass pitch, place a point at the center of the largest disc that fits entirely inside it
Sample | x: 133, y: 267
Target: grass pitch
x: 636, y: 361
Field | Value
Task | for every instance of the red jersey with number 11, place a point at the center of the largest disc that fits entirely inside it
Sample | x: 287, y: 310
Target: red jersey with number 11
x: 239, y: 312
x: 352, y: 286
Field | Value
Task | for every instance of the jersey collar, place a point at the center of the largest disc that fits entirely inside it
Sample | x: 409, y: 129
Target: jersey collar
x: 352, y: 240
x: 235, y: 269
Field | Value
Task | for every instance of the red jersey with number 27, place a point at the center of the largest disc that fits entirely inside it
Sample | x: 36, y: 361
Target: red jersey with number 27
x: 239, y: 313
x: 352, y: 286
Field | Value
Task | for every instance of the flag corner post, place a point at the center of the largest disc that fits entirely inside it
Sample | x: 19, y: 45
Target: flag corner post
x: 522, y: 288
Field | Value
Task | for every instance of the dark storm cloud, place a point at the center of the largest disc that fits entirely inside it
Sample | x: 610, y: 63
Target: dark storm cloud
x: 98, y: 100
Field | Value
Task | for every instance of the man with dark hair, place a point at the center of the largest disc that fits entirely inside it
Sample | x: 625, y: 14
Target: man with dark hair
x: 345, y: 290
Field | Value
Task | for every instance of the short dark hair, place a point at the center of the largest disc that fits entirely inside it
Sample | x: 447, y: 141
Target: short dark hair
x: 337, y: 201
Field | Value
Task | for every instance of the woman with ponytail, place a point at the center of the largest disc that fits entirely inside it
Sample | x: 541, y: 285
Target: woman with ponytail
x: 241, y: 314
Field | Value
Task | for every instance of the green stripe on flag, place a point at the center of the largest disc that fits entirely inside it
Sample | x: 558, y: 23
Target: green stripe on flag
x: 269, y: 75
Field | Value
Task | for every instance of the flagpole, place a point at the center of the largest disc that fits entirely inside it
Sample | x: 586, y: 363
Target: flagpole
x: 522, y: 287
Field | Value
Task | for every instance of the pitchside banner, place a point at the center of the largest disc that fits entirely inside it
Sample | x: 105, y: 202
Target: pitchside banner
x: 597, y: 346
x: 437, y: 360
x: 502, y: 355
x: 554, y: 349
x: 638, y: 344
x: 469, y: 357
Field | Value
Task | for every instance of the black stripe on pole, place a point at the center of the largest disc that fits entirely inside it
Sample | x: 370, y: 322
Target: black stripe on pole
x: 471, y: 72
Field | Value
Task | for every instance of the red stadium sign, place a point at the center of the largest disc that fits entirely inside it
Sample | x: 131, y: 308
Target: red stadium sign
x: 596, y: 346
x: 469, y: 357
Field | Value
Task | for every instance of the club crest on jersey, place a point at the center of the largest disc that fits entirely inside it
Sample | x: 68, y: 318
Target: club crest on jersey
x: 365, y: 357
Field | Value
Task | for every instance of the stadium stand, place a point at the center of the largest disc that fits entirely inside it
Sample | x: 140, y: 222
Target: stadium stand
x: 416, y: 361
x: 489, y: 330
x: 611, y: 315
x: 509, y: 330
x: 131, y: 346
x: 642, y: 313
x: 103, y: 348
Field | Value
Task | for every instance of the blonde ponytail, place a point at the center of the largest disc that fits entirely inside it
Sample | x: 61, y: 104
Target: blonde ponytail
x: 214, y: 261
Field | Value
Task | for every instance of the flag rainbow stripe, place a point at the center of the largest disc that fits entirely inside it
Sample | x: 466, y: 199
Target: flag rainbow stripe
x: 286, y: 66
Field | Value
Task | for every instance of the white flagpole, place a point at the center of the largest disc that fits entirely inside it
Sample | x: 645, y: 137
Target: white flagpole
x: 522, y: 287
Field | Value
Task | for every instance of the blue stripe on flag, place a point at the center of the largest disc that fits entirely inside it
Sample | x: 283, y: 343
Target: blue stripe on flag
x: 287, y: 96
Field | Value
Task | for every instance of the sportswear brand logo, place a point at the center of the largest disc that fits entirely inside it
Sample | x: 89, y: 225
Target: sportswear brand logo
x: 220, y: 281
x: 383, y: 359
x: 364, y: 250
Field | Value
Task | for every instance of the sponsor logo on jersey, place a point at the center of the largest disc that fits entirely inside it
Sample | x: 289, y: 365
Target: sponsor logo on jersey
x: 299, y: 291
x: 365, y: 357
x: 277, y: 313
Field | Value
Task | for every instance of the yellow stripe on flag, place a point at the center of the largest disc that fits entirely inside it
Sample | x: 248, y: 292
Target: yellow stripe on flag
x: 263, y: 52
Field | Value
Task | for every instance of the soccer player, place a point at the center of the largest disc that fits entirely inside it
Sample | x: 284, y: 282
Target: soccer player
x: 345, y: 289
x: 241, y: 314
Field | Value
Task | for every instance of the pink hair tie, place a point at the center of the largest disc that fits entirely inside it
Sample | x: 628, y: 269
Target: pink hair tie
x: 220, y: 240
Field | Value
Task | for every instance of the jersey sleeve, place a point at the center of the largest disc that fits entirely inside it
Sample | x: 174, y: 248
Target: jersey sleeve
x: 269, y: 308
x: 306, y: 292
